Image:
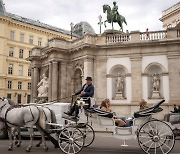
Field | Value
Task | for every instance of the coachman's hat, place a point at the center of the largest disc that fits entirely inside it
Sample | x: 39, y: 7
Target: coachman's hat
x: 89, y: 78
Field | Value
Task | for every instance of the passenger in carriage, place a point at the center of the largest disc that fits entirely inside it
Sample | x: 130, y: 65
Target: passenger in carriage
x: 105, y: 106
x: 127, y: 122
x: 143, y: 104
x: 86, y: 91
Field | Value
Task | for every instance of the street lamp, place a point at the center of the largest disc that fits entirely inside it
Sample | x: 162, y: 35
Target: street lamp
x: 71, y: 24
x: 100, y: 22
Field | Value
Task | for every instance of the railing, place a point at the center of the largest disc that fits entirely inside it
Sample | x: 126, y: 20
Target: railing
x: 155, y: 35
x: 116, y: 38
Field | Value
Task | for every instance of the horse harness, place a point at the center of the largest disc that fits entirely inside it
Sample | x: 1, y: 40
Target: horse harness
x: 11, y: 108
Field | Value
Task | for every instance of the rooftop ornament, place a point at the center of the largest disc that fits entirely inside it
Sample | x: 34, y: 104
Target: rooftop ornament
x: 114, y: 16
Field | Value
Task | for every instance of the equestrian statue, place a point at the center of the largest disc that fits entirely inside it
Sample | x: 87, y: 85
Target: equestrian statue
x: 114, y: 16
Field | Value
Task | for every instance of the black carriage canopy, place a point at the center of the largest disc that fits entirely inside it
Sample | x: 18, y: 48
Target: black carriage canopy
x: 145, y: 112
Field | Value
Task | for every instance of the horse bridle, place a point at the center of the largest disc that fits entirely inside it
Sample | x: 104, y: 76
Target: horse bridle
x: 2, y: 107
x: 2, y: 119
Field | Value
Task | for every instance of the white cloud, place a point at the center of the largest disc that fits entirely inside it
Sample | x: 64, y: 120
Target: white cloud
x: 139, y: 14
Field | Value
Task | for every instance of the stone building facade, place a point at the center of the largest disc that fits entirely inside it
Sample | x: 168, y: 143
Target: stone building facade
x: 18, y: 35
x: 135, y: 57
x: 171, y: 16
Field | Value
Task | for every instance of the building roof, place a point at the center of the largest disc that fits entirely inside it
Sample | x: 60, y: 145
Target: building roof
x: 37, y: 23
x: 82, y: 28
x: 32, y: 22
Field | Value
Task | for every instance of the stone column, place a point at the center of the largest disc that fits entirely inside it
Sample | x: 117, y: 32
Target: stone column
x: 88, y: 67
x: 50, y: 82
x: 32, y: 83
x: 63, y: 80
x: 174, y: 79
x: 36, y: 80
x: 100, y: 81
x: 136, y: 71
x: 54, y: 80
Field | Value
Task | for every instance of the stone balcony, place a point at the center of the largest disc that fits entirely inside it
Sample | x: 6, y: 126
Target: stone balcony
x: 116, y: 37
x: 109, y: 37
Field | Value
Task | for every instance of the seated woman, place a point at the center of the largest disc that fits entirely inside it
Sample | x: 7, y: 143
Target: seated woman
x: 119, y: 122
x: 142, y: 104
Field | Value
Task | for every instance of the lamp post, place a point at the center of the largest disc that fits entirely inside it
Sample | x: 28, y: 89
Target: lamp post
x: 71, y: 24
x: 100, y: 22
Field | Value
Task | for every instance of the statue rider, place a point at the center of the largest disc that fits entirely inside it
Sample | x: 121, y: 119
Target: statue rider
x: 115, y: 11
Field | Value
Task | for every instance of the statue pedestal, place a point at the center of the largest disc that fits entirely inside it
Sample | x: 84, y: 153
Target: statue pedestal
x: 119, y: 95
x: 155, y: 94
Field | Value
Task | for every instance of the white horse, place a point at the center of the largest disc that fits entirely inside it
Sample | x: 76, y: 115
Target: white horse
x: 49, y: 118
x: 20, y: 116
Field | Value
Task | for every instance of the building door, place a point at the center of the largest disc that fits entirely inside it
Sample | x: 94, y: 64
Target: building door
x: 28, y: 98
x: 19, y: 99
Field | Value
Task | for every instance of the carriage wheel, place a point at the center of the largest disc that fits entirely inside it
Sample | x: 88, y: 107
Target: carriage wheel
x: 88, y: 133
x: 71, y: 140
x: 156, y: 137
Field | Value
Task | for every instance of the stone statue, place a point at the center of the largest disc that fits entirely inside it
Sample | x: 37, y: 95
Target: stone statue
x: 120, y: 84
x: 43, y: 87
x: 119, y: 88
x: 115, y: 12
x: 114, y: 16
x: 155, y: 82
x: 155, y: 86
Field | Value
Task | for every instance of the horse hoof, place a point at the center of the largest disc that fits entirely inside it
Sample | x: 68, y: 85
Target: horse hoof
x: 16, y: 142
x: 9, y: 149
x: 27, y: 150
x: 18, y: 145
x: 46, y: 149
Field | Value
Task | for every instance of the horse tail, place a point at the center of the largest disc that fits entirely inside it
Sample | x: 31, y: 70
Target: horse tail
x: 42, y: 119
x: 125, y: 21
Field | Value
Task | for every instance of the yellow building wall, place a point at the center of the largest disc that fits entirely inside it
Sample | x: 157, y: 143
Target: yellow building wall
x: 6, y: 26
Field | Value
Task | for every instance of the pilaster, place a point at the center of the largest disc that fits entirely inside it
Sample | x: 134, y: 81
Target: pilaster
x: 136, y: 68
x: 174, y: 77
x: 50, y: 82
x: 54, y: 80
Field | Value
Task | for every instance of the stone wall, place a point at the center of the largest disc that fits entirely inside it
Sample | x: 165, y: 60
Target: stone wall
x: 94, y: 56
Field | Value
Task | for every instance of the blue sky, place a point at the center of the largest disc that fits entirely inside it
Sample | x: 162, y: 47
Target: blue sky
x: 139, y: 14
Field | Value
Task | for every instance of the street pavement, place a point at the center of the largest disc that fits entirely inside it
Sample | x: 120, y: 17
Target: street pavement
x: 103, y: 144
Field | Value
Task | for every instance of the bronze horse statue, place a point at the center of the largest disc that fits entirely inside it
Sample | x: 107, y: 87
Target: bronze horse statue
x: 111, y: 18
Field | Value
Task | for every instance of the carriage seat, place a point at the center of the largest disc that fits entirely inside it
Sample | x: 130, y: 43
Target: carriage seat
x: 149, y: 111
x: 101, y: 112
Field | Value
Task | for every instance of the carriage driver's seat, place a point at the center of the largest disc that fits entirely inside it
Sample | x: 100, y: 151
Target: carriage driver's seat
x: 86, y: 102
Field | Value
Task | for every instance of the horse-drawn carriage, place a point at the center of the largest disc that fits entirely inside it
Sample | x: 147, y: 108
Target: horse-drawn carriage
x: 153, y: 136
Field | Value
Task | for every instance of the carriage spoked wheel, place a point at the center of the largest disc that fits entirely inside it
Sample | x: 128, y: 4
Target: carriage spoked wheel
x: 71, y: 140
x: 88, y: 133
x: 156, y: 137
